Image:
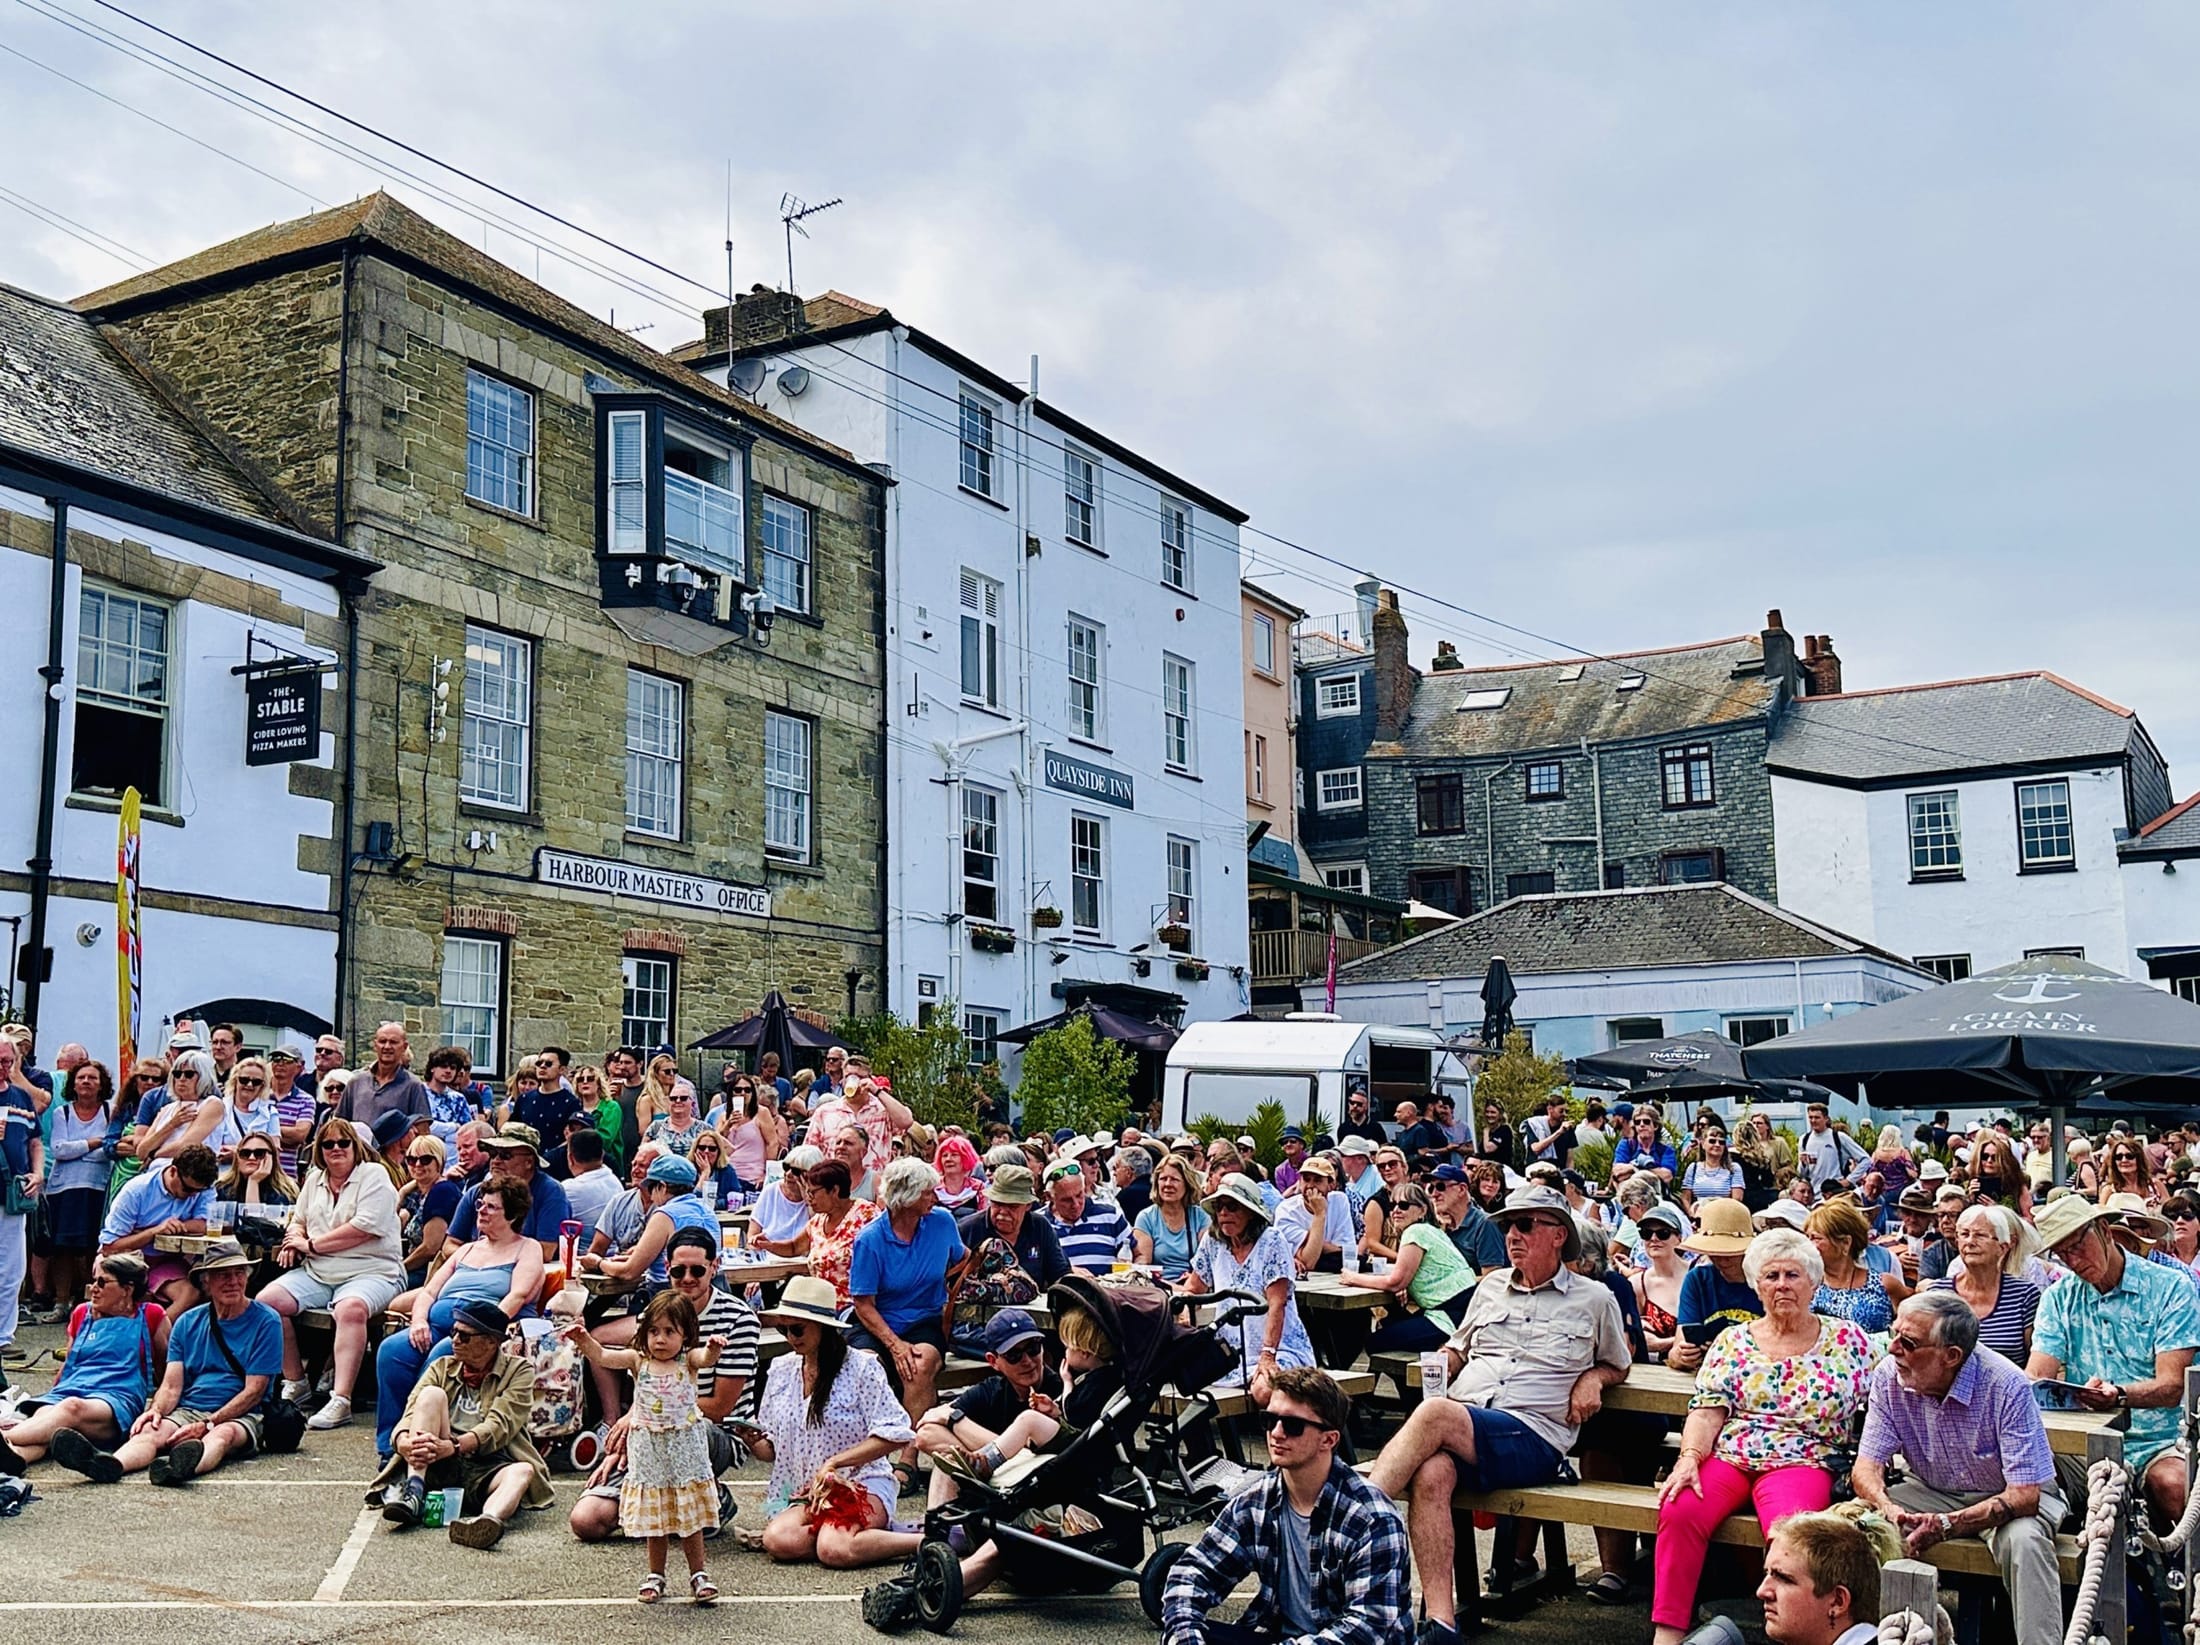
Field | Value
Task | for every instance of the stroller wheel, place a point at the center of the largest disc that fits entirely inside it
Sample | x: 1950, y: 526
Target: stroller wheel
x: 1153, y: 1578
x: 939, y: 1586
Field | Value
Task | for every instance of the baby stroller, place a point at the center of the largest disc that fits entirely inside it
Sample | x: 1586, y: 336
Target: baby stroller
x: 1080, y: 1519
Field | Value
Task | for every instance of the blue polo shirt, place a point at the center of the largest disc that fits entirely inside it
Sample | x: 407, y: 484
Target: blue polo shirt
x: 1709, y: 1298
x: 254, y: 1336
x: 146, y: 1203
x: 906, y: 1280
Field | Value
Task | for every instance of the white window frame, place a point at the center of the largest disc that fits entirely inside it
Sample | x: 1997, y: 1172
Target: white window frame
x: 626, y: 476
x: 1346, y: 876
x: 647, y: 981
x: 1086, y: 669
x: 500, y: 444
x: 1183, y: 885
x: 656, y: 736
x: 790, y: 766
x: 1088, y: 874
x: 1934, y: 822
x: 1080, y: 498
x: 1179, y: 714
x: 1780, y: 1023
x: 1336, y: 695
x: 1264, y: 641
x: 472, y: 982
x: 111, y: 676
x: 981, y: 1026
x: 784, y: 531
x: 2186, y: 988
x: 1258, y: 761
x: 1341, y: 799
x: 2026, y: 858
x: 497, y: 720
x: 981, y: 848
x: 1944, y: 966
x: 980, y: 598
x: 978, y: 431
x: 1176, y: 545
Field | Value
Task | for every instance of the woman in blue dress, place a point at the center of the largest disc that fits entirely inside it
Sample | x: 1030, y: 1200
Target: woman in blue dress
x: 117, y: 1349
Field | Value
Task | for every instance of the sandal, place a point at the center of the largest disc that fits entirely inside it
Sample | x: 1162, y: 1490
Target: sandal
x: 701, y: 1586
x: 1609, y: 1589
x: 749, y: 1538
x: 652, y: 1588
x: 908, y: 1480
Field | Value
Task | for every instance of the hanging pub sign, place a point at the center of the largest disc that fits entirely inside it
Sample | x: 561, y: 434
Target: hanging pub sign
x: 282, y: 716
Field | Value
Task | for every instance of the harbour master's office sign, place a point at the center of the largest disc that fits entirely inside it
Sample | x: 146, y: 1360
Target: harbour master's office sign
x: 625, y: 882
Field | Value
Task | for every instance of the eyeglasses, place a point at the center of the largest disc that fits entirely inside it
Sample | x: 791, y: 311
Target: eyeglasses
x: 249, y: 1085
x: 104, y: 1279
x: 689, y: 1270
x: 1294, y: 1427
x: 255, y: 1153
x: 1900, y: 1345
x: 1021, y: 1352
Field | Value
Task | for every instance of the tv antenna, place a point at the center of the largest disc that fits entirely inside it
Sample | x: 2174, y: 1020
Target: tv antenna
x: 792, y: 210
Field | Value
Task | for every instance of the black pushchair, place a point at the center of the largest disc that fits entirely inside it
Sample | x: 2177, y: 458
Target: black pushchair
x: 1096, y: 1512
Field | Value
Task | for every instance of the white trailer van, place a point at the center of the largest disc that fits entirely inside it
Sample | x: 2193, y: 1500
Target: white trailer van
x: 1310, y: 1062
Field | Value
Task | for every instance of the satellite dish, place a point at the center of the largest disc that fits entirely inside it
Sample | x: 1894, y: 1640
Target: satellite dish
x: 794, y: 380
x: 747, y: 376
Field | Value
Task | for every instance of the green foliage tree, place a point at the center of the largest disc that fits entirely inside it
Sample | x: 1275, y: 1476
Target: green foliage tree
x: 1265, y: 1128
x: 1518, y: 1080
x: 928, y: 1066
x: 1073, y: 1077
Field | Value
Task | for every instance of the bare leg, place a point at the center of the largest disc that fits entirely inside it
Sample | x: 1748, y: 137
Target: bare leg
x: 790, y: 1536
x: 278, y: 1297
x: 840, y: 1549
x: 656, y: 1546
x: 2167, y: 1485
x: 918, y: 1388
x: 691, y: 1545
x: 1429, y: 1528
x: 1436, y: 1426
x: 980, y: 1568
x: 221, y: 1440
x: 431, y: 1414
x: 507, y: 1491
x: 595, y: 1518
x: 90, y: 1417
x: 351, y: 1343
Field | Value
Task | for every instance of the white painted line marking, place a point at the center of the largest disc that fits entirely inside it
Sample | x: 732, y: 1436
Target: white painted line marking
x: 988, y: 1603
x: 339, y: 1574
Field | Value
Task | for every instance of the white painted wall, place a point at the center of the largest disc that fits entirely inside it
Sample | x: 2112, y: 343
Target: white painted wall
x: 2161, y: 910
x: 228, y: 830
x: 935, y: 740
x: 1844, y: 860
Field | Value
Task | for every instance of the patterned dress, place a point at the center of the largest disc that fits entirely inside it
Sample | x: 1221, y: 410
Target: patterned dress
x: 829, y: 1250
x: 669, y: 1489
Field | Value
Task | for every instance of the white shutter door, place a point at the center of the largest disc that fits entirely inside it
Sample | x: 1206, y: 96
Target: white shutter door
x: 629, y: 499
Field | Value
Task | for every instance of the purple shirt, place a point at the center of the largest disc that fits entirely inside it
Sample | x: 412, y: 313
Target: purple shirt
x: 1986, y: 1432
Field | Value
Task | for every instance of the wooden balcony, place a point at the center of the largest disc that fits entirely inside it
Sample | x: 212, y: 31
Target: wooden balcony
x: 1292, y: 956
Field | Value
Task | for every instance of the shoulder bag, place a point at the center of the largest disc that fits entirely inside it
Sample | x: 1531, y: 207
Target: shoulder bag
x: 282, y: 1421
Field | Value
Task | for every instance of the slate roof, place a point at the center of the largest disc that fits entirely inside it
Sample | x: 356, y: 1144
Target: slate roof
x: 66, y: 393
x: 1683, y: 687
x: 2175, y: 833
x: 383, y: 220
x: 1609, y: 931
x: 1910, y: 731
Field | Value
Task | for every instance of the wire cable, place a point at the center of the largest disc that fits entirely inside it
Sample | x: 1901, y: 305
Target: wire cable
x: 74, y: 229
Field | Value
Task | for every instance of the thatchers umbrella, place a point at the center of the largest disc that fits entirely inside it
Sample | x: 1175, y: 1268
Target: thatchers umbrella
x: 1702, y: 1052
x: 1498, y: 995
x: 774, y: 1028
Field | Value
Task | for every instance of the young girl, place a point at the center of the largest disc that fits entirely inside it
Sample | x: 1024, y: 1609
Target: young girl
x: 669, y: 1490
x: 1090, y: 1378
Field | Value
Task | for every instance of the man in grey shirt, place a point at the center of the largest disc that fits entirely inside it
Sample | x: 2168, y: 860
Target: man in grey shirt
x: 388, y: 1085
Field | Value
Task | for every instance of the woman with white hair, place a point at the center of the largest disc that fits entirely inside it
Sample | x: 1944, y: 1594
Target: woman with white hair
x: 898, y: 1271
x: 1994, y: 1244
x: 194, y: 1110
x: 781, y: 1212
x: 1773, y: 1406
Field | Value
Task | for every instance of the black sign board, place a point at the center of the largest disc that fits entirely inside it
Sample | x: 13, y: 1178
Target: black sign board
x: 282, y: 716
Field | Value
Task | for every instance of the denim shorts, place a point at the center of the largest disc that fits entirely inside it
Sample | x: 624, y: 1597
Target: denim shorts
x: 377, y: 1291
x: 1509, y: 1454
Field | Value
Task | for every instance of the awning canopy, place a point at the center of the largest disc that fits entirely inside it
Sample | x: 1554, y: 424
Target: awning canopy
x: 1702, y: 1052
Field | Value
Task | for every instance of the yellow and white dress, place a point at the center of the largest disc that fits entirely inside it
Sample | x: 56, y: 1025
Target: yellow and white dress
x: 669, y: 1489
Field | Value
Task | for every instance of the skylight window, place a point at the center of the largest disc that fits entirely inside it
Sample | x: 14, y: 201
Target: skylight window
x: 1572, y: 672
x: 1631, y: 682
x: 1479, y: 701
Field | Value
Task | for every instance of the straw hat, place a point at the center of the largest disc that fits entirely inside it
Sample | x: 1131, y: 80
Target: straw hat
x: 2068, y: 1216
x: 1240, y: 1190
x: 2131, y: 1211
x: 807, y: 1300
x: 1723, y: 1229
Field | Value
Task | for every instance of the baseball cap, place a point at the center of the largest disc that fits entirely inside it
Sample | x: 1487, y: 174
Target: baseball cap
x: 1359, y: 1146
x: 287, y: 1052
x: 1448, y: 1172
x: 1781, y: 1213
x: 1008, y: 1328
x: 1064, y: 1134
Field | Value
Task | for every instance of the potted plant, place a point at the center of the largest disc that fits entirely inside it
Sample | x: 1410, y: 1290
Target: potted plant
x: 993, y: 939
x: 1174, y: 937
x: 1044, y: 918
x: 1192, y: 970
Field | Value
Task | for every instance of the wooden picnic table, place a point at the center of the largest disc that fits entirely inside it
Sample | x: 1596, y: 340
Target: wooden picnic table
x: 186, y: 1245
x: 762, y: 1271
x: 1329, y: 1291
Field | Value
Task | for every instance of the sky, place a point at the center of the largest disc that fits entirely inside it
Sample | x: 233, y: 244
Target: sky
x: 1620, y: 324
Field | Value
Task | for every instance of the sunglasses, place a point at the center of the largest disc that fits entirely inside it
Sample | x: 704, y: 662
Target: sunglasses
x: 423, y: 1159
x: 707, y: 1150
x: 1021, y: 1352
x: 105, y: 1279
x: 250, y: 1085
x: 1901, y: 1346
x: 334, y: 1145
x: 1293, y: 1427
x: 255, y: 1153
x: 1658, y: 1230
x: 460, y: 1335
x: 184, y: 1074
x: 689, y: 1270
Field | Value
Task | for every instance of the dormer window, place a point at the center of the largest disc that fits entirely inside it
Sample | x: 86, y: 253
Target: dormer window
x: 674, y: 529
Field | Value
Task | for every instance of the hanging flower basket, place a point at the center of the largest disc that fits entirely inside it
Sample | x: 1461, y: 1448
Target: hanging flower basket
x: 1046, y: 919
x: 1175, y: 937
x: 1192, y: 970
x: 993, y: 939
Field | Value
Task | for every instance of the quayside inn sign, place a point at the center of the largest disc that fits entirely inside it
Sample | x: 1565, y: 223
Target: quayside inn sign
x: 626, y: 882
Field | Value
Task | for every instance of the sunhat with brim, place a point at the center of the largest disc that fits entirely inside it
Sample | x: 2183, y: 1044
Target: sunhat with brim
x: 515, y: 1135
x: 1357, y: 1145
x: 807, y: 1300
x: 2065, y: 1218
x: 1241, y: 1191
x: 1932, y: 1171
x: 1722, y: 1228
x: 223, y: 1253
x: 1781, y: 1213
x: 1073, y: 1145
x: 1011, y: 1185
x: 2131, y: 1210
x: 1527, y: 1204
x: 1918, y: 1200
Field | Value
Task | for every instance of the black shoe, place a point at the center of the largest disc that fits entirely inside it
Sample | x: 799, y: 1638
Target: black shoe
x: 1432, y: 1632
x: 179, y: 1467
x: 79, y: 1455
x: 405, y: 1504
x: 11, y: 1460
x: 891, y: 1606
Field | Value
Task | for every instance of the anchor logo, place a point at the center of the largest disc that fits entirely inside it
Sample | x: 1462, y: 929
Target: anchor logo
x: 2035, y: 993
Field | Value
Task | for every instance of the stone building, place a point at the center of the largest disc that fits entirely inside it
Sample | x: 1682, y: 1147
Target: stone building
x: 595, y: 795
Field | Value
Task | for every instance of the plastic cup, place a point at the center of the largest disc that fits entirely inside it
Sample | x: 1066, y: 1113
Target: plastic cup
x: 1435, y: 1376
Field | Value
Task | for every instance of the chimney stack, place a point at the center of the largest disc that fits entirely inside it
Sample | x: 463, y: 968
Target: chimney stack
x: 1447, y: 659
x: 1393, y: 673
x: 1821, y: 666
x: 762, y: 315
x: 1780, y: 661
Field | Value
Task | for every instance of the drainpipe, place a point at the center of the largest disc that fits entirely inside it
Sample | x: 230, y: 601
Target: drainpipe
x: 1489, y: 834
x: 348, y: 605
x: 1024, y: 743
x: 898, y: 949
x: 49, y: 760
x: 1596, y: 792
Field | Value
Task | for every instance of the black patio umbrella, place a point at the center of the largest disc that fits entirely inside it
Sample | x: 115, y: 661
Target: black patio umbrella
x: 2050, y: 1031
x: 1702, y: 1052
x: 1690, y: 1085
x: 1498, y: 995
x: 774, y: 1028
x: 1134, y: 1033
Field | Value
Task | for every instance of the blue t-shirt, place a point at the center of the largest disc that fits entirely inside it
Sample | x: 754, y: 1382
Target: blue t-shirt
x: 1708, y: 1298
x: 146, y: 1203
x: 906, y: 1279
x: 546, y: 1208
x: 18, y: 1124
x: 255, y: 1337
x: 1658, y: 1157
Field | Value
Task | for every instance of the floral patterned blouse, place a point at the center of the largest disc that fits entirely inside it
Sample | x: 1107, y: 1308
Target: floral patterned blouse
x: 1866, y: 1306
x: 1785, y: 1413
x: 829, y: 1251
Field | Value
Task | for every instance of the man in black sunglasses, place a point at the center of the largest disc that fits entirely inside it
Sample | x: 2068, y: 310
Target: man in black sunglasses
x: 1015, y: 1348
x: 1327, y: 1548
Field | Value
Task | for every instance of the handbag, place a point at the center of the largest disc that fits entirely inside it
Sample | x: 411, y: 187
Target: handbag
x: 282, y: 1421
x: 17, y: 1200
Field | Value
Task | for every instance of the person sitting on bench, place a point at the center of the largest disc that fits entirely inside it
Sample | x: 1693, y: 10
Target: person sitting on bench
x: 1536, y: 1349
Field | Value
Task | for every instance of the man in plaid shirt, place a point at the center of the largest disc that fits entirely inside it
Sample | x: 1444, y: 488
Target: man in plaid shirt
x: 1329, y: 1549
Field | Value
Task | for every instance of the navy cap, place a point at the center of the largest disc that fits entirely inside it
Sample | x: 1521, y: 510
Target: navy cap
x: 1292, y: 1133
x: 1623, y: 1110
x: 1008, y: 1328
x: 1064, y: 1134
x: 1448, y: 1172
x: 483, y: 1316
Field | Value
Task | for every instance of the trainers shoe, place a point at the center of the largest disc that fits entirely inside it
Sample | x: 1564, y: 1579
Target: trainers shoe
x: 405, y: 1502
x: 179, y: 1467
x: 334, y: 1414
x: 11, y: 1462
x: 477, y: 1531
x: 79, y: 1455
x: 294, y: 1388
x: 46, y: 1316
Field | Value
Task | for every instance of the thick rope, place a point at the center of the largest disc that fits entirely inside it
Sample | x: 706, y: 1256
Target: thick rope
x: 2180, y: 1533
x: 2106, y: 1484
x: 1908, y: 1628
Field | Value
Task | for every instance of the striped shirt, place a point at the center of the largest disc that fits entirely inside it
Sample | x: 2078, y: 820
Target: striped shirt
x: 1096, y: 1241
x: 2008, y: 1329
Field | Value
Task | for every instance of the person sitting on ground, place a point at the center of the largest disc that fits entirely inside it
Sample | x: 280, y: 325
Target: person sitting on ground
x: 1979, y: 1464
x: 168, y: 1197
x: 116, y: 1350
x: 465, y: 1427
x: 1015, y: 1352
x: 1091, y: 1377
x: 898, y: 1272
x: 223, y: 1356
x: 1326, y: 1548
x: 1528, y: 1365
x: 1092, y: 1233
x: 1772, y: 1411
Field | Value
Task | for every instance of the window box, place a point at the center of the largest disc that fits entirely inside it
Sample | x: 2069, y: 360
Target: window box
x: 1046, y: 919
x: 993, y: 939
x: 1192, y: 970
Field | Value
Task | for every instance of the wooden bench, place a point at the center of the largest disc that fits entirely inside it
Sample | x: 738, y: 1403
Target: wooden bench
x: 1236, y: 1402
x: 956, y: 1374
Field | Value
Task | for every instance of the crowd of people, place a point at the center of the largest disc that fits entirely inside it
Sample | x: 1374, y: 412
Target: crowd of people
x: 1840, y: 1300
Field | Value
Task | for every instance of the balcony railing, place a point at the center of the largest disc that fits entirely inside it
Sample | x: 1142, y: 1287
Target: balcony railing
x: 1291, y: 956
x: 702, y: 524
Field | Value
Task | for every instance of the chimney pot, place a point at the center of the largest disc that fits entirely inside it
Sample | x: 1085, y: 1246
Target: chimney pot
x: 1772, y: 618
